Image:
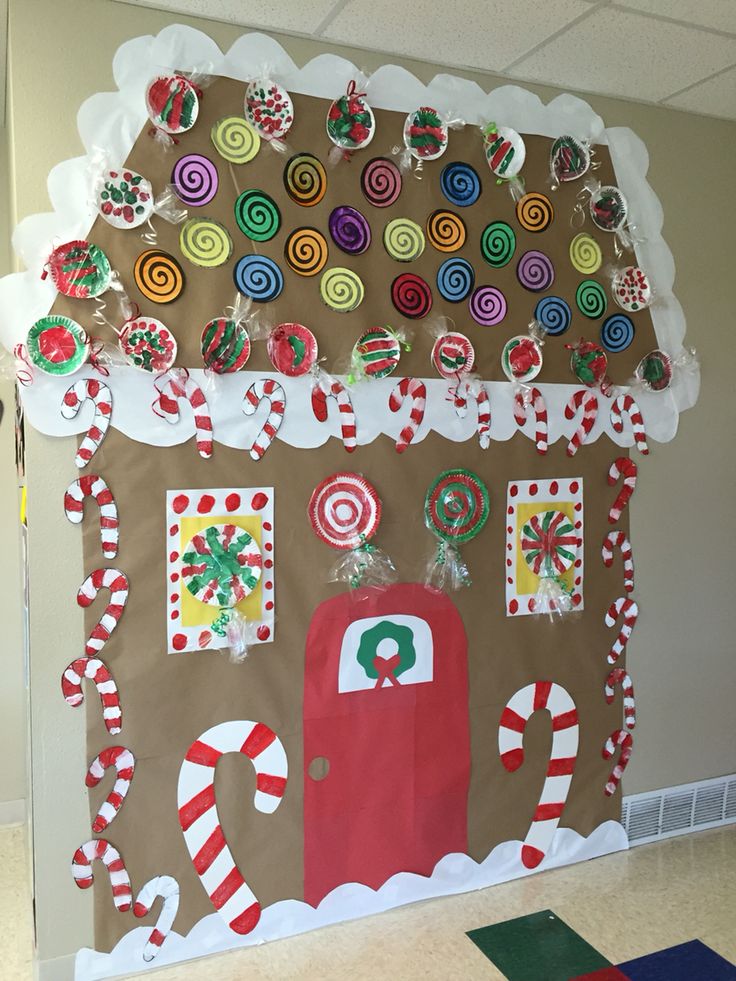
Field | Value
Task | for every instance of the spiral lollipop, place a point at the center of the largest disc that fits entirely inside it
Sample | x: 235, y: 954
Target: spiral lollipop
x: 460, y: 184
x: 306, y: 251
x: 446, y: 231
x: 585, y: 254
x: 591, y: 299
x: 158, y: 276
x: 487, y: 306
x: 403, y: 239
x: 497, y: 244
x: 350, y: 230
x: 195, y: 180
x: 554, y: 314
x: 258, y: 277
x: 257, y: 215
x: 341, y: 289
x: 455, y: 510
x: 235, y: 140
x: 535, y: 271
x: 617, y: 332
x: 455, y: 279
x: 205, y: 242
x: 411, y: 296
x: 305, y: 179
x: 381, y: 182
x: 534, y: 212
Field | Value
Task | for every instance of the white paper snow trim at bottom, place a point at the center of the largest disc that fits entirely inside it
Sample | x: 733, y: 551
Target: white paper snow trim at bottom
x: 453, y: 874
x: 134, y: 394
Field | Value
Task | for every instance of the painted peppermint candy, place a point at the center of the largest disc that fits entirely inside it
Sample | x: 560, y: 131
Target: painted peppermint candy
x: 549, y: 543
x: 221, y: 565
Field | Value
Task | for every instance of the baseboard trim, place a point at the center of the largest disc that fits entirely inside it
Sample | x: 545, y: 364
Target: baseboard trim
x: 12, y: 812
x: 679, y: 810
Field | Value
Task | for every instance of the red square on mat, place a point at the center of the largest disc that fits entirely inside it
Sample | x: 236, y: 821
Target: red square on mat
x: 605, y: 974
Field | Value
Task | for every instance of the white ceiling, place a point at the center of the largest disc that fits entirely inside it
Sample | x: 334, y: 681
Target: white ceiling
x: 678, y: 53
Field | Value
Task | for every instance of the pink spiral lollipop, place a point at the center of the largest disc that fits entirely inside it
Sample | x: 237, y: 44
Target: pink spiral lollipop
x: 195, y: 180
x: 487, y: 306
x: 381, y: 182
x: 535, y: 271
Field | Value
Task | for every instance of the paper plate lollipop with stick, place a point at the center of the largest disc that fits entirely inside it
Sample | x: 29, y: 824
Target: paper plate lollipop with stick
x: 345, y: 511
x: 549, y: 544
x: 453, y: 357
x: 455, y: 509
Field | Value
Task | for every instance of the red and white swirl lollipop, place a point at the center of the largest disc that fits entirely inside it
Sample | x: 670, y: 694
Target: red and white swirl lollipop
x: 345, y: 510
x: 453, y: 355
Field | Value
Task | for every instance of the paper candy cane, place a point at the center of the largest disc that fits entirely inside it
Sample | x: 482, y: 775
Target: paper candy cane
x: 117, y: 583
x: 167, y: 888
x: 265, y: 390
x: 334, y: 389
x: 626, y: 468
x: 101, y: 397
x: 101, y: 849
x: 619, y: 737
x: 199, y: 820
x: 626, y: 608
x: 534, y: 400
x: 123, y: 761
x: 416, y: 390
x: 617, y: 539
x: 588, y: 401
x: 618, y: 676
x: 565, y: 732
x: 180, y: 386
x: 97, y: 671
x: 626, y: 405
x: 93, y: 486
x: 479, y: 392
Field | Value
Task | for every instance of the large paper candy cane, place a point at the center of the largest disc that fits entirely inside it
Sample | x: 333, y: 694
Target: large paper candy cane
x: 332, y: 388
x: 167, y: 888
x: 626, y: 405
x: 617, y: 539
x: 100, y: 395
x: 626, y: 468
x: 626, y: 608
x: 416, y: 390
x: 619, y: 737
x: 117, y: 583
x: 200, y: 822
x: 97, y: 671
x: 180, y: 386
x: 93, y: 486
x: 618, y: 676
x: 534, y: 400
x: 588, y: 401
x: 565, y: 731
x: 268, y: 390
x: 123, y: 761
x: 101, y: 849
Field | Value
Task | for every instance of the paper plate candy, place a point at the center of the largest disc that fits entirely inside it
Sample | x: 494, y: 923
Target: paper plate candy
x: 455, y: 510
x: 549, y: 545
x: 292, y: 349
x: 425, y: 134
x: 350, y: 122
x: 654, y: 371
x: 589, y: 364
x: 124, y: 198
x: 268, y: 109
x: 148, y: 344
x: 453, y: 355
x: 58, y: 345
x: 345, y: 511
x: 631, y: 289
x: 225, y: 345
x: 521, y: 358
x: 79, y: 269
x: 569, y: 159
x: 376, y: 353
x: 172, y: 103
x: 221, y: 565
x: 608, y: 208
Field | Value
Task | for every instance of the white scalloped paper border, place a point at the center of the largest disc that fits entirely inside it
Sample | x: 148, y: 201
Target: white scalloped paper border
x: 112, y: 120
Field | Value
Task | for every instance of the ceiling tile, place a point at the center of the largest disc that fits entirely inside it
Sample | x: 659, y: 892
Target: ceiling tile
x: 613, y: 52
x: 485, y: 34
x: 303, y: 16
x: 715, y: 97
x: 717, y: 14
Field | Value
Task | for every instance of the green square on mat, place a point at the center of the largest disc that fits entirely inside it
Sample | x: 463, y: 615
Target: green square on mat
x: 537, y: 947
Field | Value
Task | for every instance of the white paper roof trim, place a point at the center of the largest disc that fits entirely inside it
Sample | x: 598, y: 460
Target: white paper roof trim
x: 113, y: 120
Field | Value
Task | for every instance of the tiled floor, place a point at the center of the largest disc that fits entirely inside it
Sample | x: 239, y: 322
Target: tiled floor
x: 625, y: 905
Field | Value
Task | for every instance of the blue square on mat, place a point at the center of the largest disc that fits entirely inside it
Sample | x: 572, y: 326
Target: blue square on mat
x: 692, y: 961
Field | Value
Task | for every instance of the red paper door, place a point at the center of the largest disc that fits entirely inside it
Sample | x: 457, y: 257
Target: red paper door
x: 386, y: 705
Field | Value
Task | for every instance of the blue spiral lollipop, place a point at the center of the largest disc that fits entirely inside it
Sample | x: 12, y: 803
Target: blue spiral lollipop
x: 554, y: 314
x: 455, y: 279
x: 460, y: 184
x: 259, y: 277
x: 617, y: 332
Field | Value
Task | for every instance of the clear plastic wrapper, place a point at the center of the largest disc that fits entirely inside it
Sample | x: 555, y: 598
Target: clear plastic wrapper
x: 589, y: 364
x: 630, y: 287
x: 240, y: 633
x: 608, y: 210
x: 17, y: 365
x: 225, y: 342
x: 377, y: 352
x: 350, y: 122
x: 505, y: 152
x: 446, y: 569
x: 268, y: 108
x: 549, y: 544
x: 166, y: 206
x: 570, y: 159
x: 521, y: 357
x: 426, y: 138
x: 365, y: 565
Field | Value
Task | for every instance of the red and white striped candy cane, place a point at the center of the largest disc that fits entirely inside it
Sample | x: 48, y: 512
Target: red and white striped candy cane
x: 117, y: 582
x: 617, y: 539
x: 93, y: 486
x: 97, y: 671
x: 331, y: 388
x: 628, y: 609
x: 101, y: 849
x: 624, y: 739
x: 626, y: 468
x: 167, y: 888
x: 179, y: 385
x: 533, y: 399
x: 477, y: 390
x: 123, y: 761
x: 588, y: 401
x: 100, y: 395
x: 619, y: 676
x: 627, y: 405
x: 268, y: 390
x: 199, y: 820
x: 565, y: 733
x: 416, y: 390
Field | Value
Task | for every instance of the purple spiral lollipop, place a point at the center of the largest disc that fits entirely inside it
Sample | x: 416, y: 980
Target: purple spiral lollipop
x: 350, y: 230
x: 487, y: 306
x: 195, y: 179
x: 535, y: 271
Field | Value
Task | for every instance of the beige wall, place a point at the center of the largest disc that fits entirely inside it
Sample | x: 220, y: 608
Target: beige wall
x: 683, y: 521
